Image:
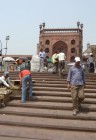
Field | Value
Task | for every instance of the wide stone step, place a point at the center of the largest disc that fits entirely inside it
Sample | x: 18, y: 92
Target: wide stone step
x: 50, y: 105
x: 57, y: 79
x: 23, y: 133
x: 59, y: 89
x: 52, y: 78
x: 48, y: 113
x: 57, y: 124
x: 60, y: 82
x: 90, y: 75
x: 61, y: 94
x: 62, y: 99
x: 55, y: 99
x: 60, y: 85
x: 56, y: 93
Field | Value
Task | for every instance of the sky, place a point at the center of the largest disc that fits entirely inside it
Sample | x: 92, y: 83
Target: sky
x: 20, y: 19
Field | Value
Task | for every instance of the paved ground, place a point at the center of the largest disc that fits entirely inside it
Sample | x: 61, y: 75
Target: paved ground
x: 12, y: 138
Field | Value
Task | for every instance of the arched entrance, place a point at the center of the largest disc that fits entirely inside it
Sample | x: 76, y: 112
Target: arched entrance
x: 60, y: 45
x: 72, y: 59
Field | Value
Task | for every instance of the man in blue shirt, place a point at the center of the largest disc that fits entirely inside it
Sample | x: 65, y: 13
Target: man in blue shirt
x: 76, y: 82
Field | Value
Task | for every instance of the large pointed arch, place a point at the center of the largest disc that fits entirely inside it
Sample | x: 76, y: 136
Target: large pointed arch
x: 60, y: 45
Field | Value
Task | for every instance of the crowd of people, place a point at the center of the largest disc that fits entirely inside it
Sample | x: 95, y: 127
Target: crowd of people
x: 76, y: 77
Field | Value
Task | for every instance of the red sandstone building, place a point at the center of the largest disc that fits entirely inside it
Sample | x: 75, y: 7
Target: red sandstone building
x: 70, y: 40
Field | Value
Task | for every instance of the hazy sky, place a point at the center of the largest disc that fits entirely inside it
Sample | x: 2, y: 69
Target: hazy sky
x: 21, y: 19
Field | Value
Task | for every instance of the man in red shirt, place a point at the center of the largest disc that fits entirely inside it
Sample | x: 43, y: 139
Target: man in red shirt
x: 25, y: 77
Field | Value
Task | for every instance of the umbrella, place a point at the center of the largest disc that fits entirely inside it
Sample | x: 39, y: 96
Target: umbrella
x: 8, y: 59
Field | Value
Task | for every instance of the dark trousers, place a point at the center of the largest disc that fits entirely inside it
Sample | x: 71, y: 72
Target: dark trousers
x: 91, y: 67
x: 62, y: 64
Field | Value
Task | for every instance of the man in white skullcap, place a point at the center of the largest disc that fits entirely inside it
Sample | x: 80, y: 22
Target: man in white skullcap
x: 76, y: 82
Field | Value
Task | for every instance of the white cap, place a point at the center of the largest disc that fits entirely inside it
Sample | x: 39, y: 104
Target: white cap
x: 77, y: 59
x: 91, y: 54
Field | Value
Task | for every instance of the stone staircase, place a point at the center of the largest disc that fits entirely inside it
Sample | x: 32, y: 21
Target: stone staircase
x: 49, y: 115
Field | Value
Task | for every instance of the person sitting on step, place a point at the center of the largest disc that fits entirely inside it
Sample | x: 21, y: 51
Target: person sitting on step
x: 5, y: 80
